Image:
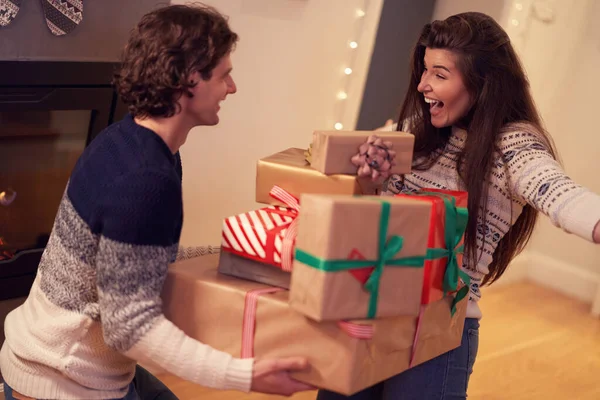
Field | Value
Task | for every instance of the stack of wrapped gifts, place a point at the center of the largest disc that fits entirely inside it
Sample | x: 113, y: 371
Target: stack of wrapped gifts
x: 362, y: 285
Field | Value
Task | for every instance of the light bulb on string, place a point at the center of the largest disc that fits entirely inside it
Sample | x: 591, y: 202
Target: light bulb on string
x: 338, y: 126
x: 360, y: 13
x: 342, y: 95
x: 348, y: 71
x: 353, y: 45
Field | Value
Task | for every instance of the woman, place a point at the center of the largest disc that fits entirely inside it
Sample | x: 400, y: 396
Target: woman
x: 476, y: 129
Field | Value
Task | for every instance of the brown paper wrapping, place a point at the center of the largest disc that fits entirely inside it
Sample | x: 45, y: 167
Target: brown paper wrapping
x: 331, y: 227
x: 209, y: 307
x: 240, y: 267
x: 289, y: 170
x: 332, y: 151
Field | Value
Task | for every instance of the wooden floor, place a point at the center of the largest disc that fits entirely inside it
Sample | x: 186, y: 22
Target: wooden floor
x: 534, y: 345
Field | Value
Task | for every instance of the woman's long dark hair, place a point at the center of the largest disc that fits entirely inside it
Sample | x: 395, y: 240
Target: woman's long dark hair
x: 499, y: 90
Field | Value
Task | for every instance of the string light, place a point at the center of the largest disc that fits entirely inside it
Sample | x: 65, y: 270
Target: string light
x: 348, y: 69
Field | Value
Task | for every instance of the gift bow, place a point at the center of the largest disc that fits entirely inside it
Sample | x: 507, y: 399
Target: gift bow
x: 387, y: 249
x: 455, y: 225
x: 287, y: 243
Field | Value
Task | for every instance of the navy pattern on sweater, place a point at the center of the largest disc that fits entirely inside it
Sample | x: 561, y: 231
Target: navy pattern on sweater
x: 115, y: 233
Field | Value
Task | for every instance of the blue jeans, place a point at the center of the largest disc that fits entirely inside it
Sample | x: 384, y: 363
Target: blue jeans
x: 445, y: 377
x: 145, y: 386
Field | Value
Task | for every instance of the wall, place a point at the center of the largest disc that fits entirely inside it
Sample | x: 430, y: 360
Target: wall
x: 564, y: 86
x: 288, y: 67
x: 99, y: 37
x: 389, y: 70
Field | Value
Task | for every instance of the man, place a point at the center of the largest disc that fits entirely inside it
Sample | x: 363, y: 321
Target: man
x: 94, y: 309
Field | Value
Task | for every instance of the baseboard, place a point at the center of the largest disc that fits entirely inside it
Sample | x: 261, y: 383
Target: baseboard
x: 556, y: 274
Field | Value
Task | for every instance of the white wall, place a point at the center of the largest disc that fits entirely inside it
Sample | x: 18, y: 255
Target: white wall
x: 564, y: 85
x: 288, y: 67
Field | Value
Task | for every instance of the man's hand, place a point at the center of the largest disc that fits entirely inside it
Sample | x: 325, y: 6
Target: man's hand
x: 273, y: 376
x: 596, y: 234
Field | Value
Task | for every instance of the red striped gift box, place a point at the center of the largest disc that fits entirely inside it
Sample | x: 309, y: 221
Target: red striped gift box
x: 266, y: 235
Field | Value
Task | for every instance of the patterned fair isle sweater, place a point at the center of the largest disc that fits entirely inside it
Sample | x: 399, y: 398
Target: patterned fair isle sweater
x: 534, y: 178
x: 95, y: 308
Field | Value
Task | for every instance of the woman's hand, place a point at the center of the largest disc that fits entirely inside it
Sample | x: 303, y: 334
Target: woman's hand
x: 273, y: 376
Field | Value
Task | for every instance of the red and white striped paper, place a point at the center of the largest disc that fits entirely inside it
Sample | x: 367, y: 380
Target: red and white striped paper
x: 266, y: 235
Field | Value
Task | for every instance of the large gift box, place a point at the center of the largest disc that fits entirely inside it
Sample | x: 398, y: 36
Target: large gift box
x: 290, y: 170
x: 247, y: 319
x: 359, y: 257
x: 445, y: 243
x: 331, y: 152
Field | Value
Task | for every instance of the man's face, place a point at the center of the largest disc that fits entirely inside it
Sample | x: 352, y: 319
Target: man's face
x: 203, y: 108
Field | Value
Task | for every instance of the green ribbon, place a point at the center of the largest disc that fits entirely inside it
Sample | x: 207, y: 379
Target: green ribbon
x: 455, y: 225
x: 387, y: 249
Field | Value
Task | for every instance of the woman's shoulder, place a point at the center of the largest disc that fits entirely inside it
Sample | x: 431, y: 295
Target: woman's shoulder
x: 523, y: 135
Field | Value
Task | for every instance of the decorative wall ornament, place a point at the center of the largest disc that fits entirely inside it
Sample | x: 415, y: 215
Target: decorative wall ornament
x: 8, y: 11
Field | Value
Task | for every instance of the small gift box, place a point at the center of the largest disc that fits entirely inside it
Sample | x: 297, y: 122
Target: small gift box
x: 248, y: 319
x: 266, y: 235
x: 359, y: 257
x: 445, y: 242
x: 289, y: 170
x: 333, y: 152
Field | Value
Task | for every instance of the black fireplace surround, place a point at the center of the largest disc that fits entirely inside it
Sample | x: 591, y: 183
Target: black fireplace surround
x: 52, y: 106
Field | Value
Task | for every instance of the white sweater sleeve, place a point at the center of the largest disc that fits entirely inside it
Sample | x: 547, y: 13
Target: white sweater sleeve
x: 538, y: 179
x: 191, y: 360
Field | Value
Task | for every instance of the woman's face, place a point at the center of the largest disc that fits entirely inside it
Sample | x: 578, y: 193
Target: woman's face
x: 443, y: 88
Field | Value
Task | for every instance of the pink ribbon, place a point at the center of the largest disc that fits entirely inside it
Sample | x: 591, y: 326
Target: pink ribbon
x: 287, y: 244
x: 249, y: 322
x: 413, y: 351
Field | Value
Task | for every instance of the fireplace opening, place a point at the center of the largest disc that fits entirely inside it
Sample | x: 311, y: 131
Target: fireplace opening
x: 49, y: 113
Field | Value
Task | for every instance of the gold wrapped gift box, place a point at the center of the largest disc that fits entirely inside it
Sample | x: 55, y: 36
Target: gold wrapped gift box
x: 289, y: 170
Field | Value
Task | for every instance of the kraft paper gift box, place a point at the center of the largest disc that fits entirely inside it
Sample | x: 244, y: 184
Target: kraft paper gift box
x: 290, y: 170
x: 446, y: 237
x: 331, y: 152
x: 359, y: 257
x: 344, y: 357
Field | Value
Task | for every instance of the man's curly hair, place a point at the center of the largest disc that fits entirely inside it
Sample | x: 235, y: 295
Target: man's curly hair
x: 164, y: 49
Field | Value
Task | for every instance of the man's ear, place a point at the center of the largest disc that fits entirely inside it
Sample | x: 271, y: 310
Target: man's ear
x: 193, y: 78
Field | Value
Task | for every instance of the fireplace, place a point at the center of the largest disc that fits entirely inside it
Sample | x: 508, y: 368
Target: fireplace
x: 49, y: 112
